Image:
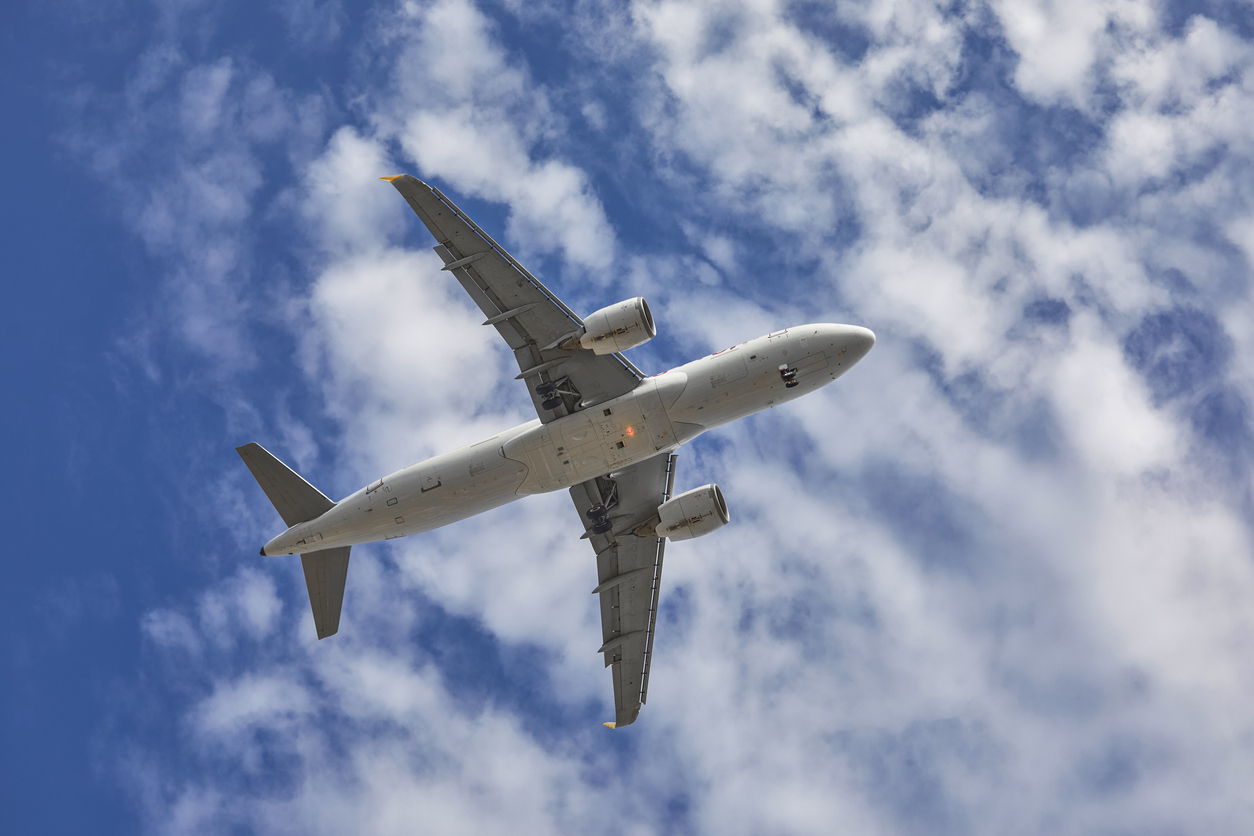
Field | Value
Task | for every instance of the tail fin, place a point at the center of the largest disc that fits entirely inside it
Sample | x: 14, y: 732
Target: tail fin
x: 297, y: 501
x: 325, y: 574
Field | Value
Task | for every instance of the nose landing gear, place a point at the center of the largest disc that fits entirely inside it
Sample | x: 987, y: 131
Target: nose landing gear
x: 789, y: 376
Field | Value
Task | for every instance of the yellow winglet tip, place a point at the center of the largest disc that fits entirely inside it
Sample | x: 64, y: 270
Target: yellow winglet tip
x: 610, y: 725
x: 393, y: 177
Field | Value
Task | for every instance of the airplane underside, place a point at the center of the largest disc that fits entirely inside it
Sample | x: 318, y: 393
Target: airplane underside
x: 605, y: 432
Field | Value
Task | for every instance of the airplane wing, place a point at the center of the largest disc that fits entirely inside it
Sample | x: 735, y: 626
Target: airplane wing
x: 531, y: 319
x: 629, y: 573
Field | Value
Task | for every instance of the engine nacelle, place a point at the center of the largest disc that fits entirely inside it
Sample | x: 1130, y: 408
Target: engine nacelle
x: 692, y: 514
x: 619, y: 327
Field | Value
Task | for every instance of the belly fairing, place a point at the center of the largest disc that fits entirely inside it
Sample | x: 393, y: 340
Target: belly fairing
x: 600, y: 439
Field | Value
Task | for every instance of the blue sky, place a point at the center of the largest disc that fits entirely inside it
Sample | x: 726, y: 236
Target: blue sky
x: 997, y: 579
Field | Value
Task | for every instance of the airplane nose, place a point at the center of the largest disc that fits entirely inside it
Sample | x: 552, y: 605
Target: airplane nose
x: 863, y: 340
x: 854, y: 341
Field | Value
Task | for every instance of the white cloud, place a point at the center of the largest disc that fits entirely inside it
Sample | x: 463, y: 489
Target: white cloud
x: 171, y: 630
x: 1113, y: 427
x: 393, y: 343
x: 467, y: 115
x: 1178, y: 114
x: 955, y: 269
x: 350, y: 209
x: 1058, y: 43
x: 236, y: 706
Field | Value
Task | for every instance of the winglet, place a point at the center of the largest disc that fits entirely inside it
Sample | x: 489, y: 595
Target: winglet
x: 394, y: 177
x: 609, y: 725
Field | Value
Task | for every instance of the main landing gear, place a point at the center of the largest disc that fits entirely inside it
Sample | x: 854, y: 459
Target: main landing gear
x: 599, y: 515
x: 554, y: 393
x: 548, y: 392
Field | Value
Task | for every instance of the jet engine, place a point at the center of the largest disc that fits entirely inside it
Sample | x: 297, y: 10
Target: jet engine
x: 619, y: 327
x: 692, y: 514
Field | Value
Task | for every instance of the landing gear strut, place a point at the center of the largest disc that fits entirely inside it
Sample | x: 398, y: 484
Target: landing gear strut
x: 789, y: 376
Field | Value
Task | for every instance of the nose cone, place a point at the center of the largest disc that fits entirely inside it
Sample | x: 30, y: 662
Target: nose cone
x: 862, y: 340
x: 853, y: 342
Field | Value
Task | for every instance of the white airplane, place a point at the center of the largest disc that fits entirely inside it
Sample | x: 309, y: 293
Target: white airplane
x: 606, y: 432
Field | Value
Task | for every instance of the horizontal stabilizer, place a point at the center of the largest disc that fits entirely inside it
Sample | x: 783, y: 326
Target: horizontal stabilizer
x: 326, y: 572
x: 296, y: 500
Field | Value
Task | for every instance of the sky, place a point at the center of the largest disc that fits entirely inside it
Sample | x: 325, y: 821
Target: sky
x: 997, y: 579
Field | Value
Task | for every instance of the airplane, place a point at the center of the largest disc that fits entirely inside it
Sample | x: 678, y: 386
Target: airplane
x: 606, y: 432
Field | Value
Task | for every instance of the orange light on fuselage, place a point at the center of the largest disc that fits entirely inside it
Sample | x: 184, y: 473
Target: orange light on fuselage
x: 630, y: 431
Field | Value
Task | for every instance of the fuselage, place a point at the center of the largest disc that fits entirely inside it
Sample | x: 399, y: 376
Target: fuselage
x: 659, y: 415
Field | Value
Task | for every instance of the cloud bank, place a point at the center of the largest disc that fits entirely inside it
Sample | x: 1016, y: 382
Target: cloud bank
x: 995, y: 580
